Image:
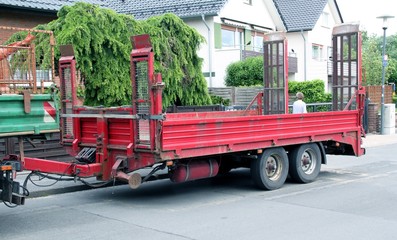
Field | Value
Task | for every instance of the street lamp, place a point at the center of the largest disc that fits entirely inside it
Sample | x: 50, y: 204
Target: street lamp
x: 384, y: 64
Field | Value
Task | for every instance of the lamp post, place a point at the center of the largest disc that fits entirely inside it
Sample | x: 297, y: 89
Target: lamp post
x: 384, y: 64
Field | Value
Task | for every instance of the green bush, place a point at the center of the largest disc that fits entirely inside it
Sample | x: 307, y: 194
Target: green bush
x: 312, y: 90
x: 219, y: 100
x: 248, y: 72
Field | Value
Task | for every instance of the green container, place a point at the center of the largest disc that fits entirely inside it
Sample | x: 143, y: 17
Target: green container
x: 43, y: 116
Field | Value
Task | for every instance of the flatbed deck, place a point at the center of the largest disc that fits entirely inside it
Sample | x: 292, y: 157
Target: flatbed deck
x: 185, y: 135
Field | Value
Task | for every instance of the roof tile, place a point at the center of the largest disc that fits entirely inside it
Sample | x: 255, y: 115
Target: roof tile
x: 46, y: 5
x: 300, y: 14
x: 142, y: 9
x: 296, y: 14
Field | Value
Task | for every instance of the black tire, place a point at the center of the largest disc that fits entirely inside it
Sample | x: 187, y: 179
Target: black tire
x: 305, y: 163
x: 270, y: 170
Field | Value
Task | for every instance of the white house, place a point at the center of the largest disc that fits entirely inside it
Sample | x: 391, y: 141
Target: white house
x: 234, y: 28
x: 229, y: 26
x: 309, y: 28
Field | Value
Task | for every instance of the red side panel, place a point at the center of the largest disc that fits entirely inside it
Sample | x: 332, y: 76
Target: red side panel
x: 183, y: 138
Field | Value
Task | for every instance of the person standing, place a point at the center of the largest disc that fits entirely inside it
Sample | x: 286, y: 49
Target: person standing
x: 299, y: 105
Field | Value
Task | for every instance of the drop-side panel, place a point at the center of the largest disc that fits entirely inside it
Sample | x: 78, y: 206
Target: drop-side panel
x: 188, y: 137
x: 16, y: 121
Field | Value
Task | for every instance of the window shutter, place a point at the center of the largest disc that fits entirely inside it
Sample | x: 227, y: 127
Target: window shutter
x: 247, y: 39
x: 217, y: 36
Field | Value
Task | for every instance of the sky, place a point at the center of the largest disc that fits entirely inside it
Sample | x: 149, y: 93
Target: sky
x: 366, y: 11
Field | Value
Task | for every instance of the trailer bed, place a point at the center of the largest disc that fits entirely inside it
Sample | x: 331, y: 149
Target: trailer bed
x: 206, y: 133
x: 184, y: 137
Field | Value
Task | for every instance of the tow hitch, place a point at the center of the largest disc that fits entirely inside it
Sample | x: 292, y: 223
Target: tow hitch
x: 11, y: 192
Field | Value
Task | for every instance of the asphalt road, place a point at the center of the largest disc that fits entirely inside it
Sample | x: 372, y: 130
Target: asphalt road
x: 353, y: 198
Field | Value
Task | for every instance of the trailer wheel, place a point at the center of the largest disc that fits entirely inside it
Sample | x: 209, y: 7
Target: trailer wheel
x: 305, y: 163
x: 270, y: 170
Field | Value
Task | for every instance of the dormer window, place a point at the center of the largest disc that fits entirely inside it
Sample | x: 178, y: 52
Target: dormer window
x: 325, y: 19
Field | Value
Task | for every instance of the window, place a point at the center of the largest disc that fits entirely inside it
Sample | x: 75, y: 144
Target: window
x: 257, y: 43
x: 325, y: 19
x: 317, y: 52
x: 235, y: 37
x: 329, y: 54
x: 231, y: 38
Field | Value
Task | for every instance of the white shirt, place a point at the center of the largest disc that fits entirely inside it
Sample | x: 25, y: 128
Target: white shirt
x: 299, y: 107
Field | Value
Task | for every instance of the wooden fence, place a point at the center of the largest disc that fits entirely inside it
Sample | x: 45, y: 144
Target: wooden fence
x: 240, y: 96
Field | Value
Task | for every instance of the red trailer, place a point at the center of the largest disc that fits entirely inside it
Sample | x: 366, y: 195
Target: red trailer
x: 113, y: 143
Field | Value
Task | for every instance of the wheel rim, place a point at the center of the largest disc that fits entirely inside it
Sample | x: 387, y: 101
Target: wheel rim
x: 273, y: 167
x: 308, y: 161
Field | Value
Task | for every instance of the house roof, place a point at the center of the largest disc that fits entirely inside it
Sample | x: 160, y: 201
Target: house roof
x: 296, y: 15
x: 45, y: 5
x: 142, y: 9
x: 300, y: 15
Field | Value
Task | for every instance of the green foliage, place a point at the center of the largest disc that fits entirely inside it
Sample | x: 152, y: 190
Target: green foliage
x: 248, y: 72
x: 99, y: 38
x: 313, y: 90
x: 392, y: 71
x: 372, y: 59
x: 220, y: 100
x: 18, y: 61
x: 42, y: 48
x: 101, y: 42
x: 176, y: 45
x: 391, y: 46
x: 80, y: 91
